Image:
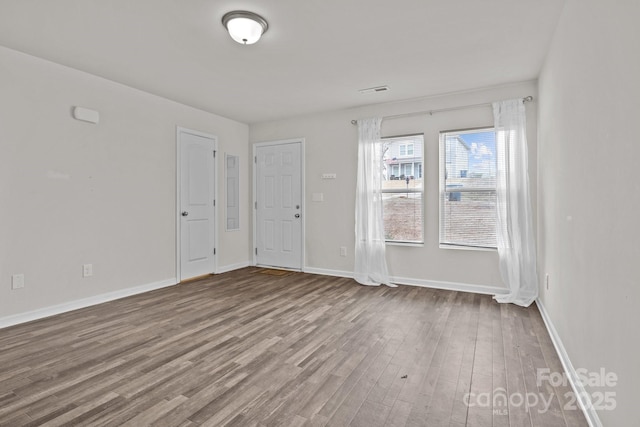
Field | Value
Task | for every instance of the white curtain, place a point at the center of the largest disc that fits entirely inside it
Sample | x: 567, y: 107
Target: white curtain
x: 371, y: 265
x: 514, y: 229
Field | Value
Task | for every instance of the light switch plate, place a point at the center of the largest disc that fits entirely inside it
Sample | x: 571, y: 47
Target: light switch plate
x: 17, y: 281
x: 87, y: 270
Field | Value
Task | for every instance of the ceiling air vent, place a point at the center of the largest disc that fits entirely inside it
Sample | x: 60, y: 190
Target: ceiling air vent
x: 374, y: 89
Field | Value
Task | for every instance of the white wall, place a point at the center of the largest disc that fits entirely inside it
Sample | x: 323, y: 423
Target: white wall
x: 331, y: 147
x: 589, y: 237
x: 74, y: 193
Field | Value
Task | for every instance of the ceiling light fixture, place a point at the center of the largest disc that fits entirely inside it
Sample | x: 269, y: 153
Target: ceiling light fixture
x: 244, y: 27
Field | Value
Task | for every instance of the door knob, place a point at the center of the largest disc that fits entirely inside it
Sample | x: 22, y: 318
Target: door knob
x: 297, y: 215
x: 185, y: 213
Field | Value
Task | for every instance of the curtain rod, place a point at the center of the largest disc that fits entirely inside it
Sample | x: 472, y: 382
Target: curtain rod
x: 442, y: 110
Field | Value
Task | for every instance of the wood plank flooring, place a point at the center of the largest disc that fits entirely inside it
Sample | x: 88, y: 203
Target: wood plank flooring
x: 246, y: 349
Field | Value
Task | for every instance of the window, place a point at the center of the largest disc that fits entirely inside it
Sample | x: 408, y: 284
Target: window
x: 403, y: 189
x: 468, y: 188
x: 406, y: 150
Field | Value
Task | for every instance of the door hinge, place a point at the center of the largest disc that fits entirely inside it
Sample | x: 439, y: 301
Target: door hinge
x: 214, y: 202
x: 255, y: 159
x: 214, y: 251
x: 214, y: 154
x: 256, y: 251
x: 255, y: 205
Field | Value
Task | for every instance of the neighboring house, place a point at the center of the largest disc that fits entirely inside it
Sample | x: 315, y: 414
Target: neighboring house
x: 456, y: 157
x: 403, y: 159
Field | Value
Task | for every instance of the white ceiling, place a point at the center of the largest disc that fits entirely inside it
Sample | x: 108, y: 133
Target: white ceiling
x: 314, y: 57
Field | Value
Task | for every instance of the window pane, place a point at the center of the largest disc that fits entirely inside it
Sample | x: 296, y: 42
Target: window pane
x: 403, y: 217
x: 403, y: 188
x: 468, y: 165
x: 398, y: 165
x: 470, y: 158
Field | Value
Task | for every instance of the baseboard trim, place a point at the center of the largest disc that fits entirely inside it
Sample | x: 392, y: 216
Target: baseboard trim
x: 449, y: 286
x: 327, y: 272
x: 82, y: 303
x: 110, y: 296
x: 581, y: 393
x: 231, y: 267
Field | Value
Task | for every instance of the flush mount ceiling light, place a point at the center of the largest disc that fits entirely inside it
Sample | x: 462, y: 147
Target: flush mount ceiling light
x: 244, y: 27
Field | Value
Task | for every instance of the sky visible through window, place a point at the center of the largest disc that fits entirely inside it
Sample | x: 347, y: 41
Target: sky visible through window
x: 482, y: 159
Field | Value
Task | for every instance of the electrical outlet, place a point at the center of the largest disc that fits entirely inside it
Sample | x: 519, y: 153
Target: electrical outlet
x: 17, y: 281
x: 546, y: 279
x: 343, y: 251
x: 87, y: 270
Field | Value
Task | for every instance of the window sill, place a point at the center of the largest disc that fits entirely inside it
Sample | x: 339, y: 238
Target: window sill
x: 468, y: 248
x: 411, y: 244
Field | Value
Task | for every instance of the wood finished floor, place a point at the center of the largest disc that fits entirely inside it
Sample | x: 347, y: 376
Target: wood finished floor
x: 247, y: 349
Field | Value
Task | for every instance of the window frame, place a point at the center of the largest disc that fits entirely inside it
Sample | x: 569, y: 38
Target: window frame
x: 421, y: 191
x: 442, y: 192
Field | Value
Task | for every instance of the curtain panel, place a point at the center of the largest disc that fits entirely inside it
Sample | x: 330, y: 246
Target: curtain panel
x: 370, y: 262
x: 514, y: 229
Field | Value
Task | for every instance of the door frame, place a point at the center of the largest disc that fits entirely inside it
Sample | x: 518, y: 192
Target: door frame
x: 256, y: 145
x: 179, y: 132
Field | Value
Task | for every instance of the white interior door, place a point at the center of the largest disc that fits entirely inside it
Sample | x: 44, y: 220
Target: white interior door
x: 196, y: 215
x: 279, y: 205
